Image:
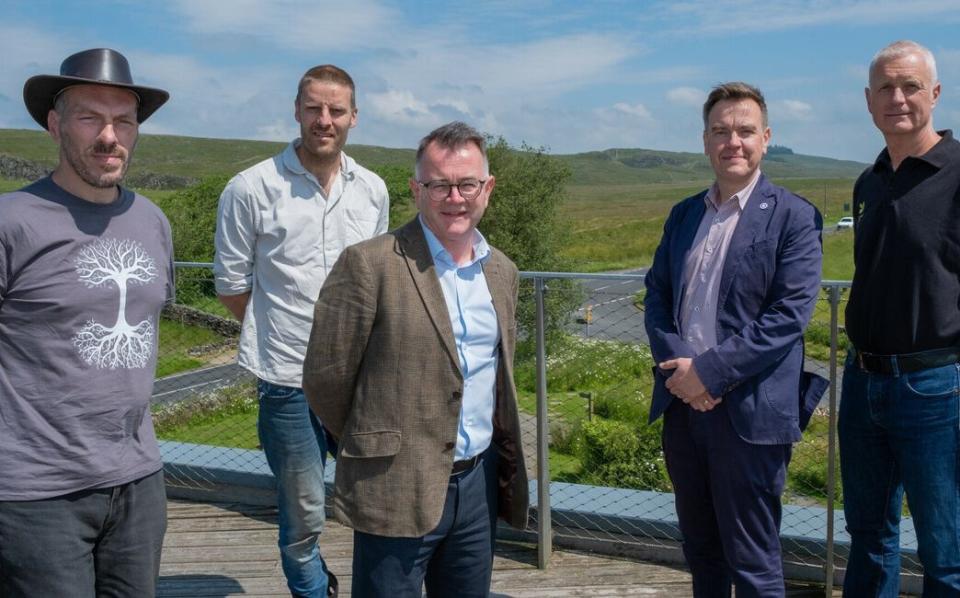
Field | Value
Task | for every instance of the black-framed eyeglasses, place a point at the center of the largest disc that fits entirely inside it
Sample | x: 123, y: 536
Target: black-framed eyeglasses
x: 469, y: 189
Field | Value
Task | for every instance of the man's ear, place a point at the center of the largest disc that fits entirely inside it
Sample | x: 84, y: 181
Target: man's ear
x: 53, y: 125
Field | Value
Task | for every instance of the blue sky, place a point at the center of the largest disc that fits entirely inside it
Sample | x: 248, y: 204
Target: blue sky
x: 568, y: 75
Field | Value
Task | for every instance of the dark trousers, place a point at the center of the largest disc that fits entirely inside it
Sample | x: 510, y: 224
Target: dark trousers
x: 728, y: 503
x: 454, y: 559
x: 94, y: 543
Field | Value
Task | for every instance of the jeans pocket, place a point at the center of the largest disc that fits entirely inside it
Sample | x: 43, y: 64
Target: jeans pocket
x: 934, y: 383
x: 271, y: 391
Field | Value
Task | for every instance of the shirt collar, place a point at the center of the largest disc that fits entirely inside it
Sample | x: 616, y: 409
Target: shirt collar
x: 713, y: 194
x: 291, y: 161
x: 938, y: 156
x: 481, y: 250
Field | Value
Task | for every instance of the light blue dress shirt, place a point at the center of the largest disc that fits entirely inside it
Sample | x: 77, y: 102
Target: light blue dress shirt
x: 476, y: 335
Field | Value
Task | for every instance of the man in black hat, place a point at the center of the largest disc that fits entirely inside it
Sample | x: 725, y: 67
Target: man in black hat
x: 85, y: 268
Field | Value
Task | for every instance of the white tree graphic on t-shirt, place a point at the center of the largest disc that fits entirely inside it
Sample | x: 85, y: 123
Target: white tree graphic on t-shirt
x: 123, y: 263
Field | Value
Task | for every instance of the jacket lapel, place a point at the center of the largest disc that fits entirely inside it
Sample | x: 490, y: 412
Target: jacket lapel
x: 415, y: 250
x: 756, y: 215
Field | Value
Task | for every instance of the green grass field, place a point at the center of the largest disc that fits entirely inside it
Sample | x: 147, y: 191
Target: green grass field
x: 618, y: 227
x: 176, y: 341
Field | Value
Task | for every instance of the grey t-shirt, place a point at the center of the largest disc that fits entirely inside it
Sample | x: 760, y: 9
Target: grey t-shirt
x: 81, y: 289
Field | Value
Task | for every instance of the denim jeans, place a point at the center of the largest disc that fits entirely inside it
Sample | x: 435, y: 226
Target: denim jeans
x: 296, y: 444
x: 900, y: 433
x: 104, y: 542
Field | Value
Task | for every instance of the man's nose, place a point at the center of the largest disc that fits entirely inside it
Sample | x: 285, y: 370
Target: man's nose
x: 454, y: 195
x: 323, y: 118
x: 108, y: 135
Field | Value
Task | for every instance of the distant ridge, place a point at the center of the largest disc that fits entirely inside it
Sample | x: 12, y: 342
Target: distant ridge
x: 623, y: 166
x: 178, y: 158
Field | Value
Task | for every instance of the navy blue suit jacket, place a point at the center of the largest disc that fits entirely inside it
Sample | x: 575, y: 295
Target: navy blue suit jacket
x: 768, y: 289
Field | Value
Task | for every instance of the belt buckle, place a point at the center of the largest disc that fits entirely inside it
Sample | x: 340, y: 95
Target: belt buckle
x: 860, y: 361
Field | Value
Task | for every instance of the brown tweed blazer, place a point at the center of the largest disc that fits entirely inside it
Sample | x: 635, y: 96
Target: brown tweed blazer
x: 382, y: 373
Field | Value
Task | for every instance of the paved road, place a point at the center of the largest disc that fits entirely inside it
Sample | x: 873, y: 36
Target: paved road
x: 188, y: 385
x: 615, y: 317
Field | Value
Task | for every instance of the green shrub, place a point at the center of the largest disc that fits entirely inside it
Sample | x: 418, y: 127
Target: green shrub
x: 192, y: 213
x: 621, y: 455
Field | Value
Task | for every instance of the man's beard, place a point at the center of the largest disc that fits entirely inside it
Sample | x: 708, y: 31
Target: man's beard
x: 100, y: 180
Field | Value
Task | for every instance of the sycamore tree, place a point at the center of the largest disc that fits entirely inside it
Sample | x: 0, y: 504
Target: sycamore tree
x: 397, y: 179
x: 523, y: 220
x: 192, y: 213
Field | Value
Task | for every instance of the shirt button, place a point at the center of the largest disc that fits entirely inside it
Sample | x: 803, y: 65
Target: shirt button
x: 457, y: 395
x: 696, y: 308
x: 450, y: 446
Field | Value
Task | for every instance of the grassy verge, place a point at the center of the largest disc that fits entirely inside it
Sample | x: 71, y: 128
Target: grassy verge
x: 176, y: 342
x: 226, y: 418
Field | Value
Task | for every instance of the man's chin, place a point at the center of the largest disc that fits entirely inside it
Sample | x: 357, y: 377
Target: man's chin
x: 105, y: 181
x: 323, y: 150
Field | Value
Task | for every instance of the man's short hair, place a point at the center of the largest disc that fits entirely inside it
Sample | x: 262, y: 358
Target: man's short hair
x: 901, y: 48
x: 734, y: 90
x: 60, y: 103
x: 453, y: 136
x: 330, y: 74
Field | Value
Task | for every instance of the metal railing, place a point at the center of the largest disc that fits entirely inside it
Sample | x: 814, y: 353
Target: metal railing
x: 583, y: 373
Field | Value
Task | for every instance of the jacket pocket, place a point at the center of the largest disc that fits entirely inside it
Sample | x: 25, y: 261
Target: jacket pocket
x: 360, y: 445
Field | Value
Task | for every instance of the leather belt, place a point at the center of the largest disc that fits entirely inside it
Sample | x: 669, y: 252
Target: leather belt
x: 465, y: 465
x: 894, y: 365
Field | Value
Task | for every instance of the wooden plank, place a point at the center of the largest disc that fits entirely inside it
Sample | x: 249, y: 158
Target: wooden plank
x: 219, y: 550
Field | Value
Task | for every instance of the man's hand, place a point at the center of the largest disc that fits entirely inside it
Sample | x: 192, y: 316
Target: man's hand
x: 685, y: 384
x: 237, y: 304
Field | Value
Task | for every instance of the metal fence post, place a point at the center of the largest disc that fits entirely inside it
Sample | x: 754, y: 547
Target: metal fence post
x: 544, y: 525
x: 834, y: 294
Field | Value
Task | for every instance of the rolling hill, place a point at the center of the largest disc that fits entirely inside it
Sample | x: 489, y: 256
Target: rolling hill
x: 181, y: 159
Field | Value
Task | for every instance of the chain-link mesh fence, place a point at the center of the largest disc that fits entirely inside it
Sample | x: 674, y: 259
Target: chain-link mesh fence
x: 204, y: 404
x: 606, y: 475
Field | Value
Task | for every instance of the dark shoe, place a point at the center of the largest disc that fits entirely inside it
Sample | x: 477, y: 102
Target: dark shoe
x: 332, y: 585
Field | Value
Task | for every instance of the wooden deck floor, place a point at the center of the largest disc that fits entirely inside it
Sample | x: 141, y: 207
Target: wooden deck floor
x: 230, y: 550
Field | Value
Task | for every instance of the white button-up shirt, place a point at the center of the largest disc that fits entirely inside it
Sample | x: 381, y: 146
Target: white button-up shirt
x: 278, y: 236
x: 476, y: 335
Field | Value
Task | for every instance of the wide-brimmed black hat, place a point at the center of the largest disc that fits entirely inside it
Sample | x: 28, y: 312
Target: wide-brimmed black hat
x: 100, y: 66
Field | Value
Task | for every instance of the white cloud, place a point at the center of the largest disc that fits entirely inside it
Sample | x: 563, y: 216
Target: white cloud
x: 400, y: 106
x: 638, y: 111
x: 792, y: 110
x: 296, y: 24
x: 519, y: 72
x: 720, y: 16
x: 687, y: 96
x: 27, y: 51
x: 278, y: 130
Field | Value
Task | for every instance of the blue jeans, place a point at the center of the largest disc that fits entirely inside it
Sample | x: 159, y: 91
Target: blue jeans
x: 296, y: 444
x: 104, y: 542
x: 900, y: 433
